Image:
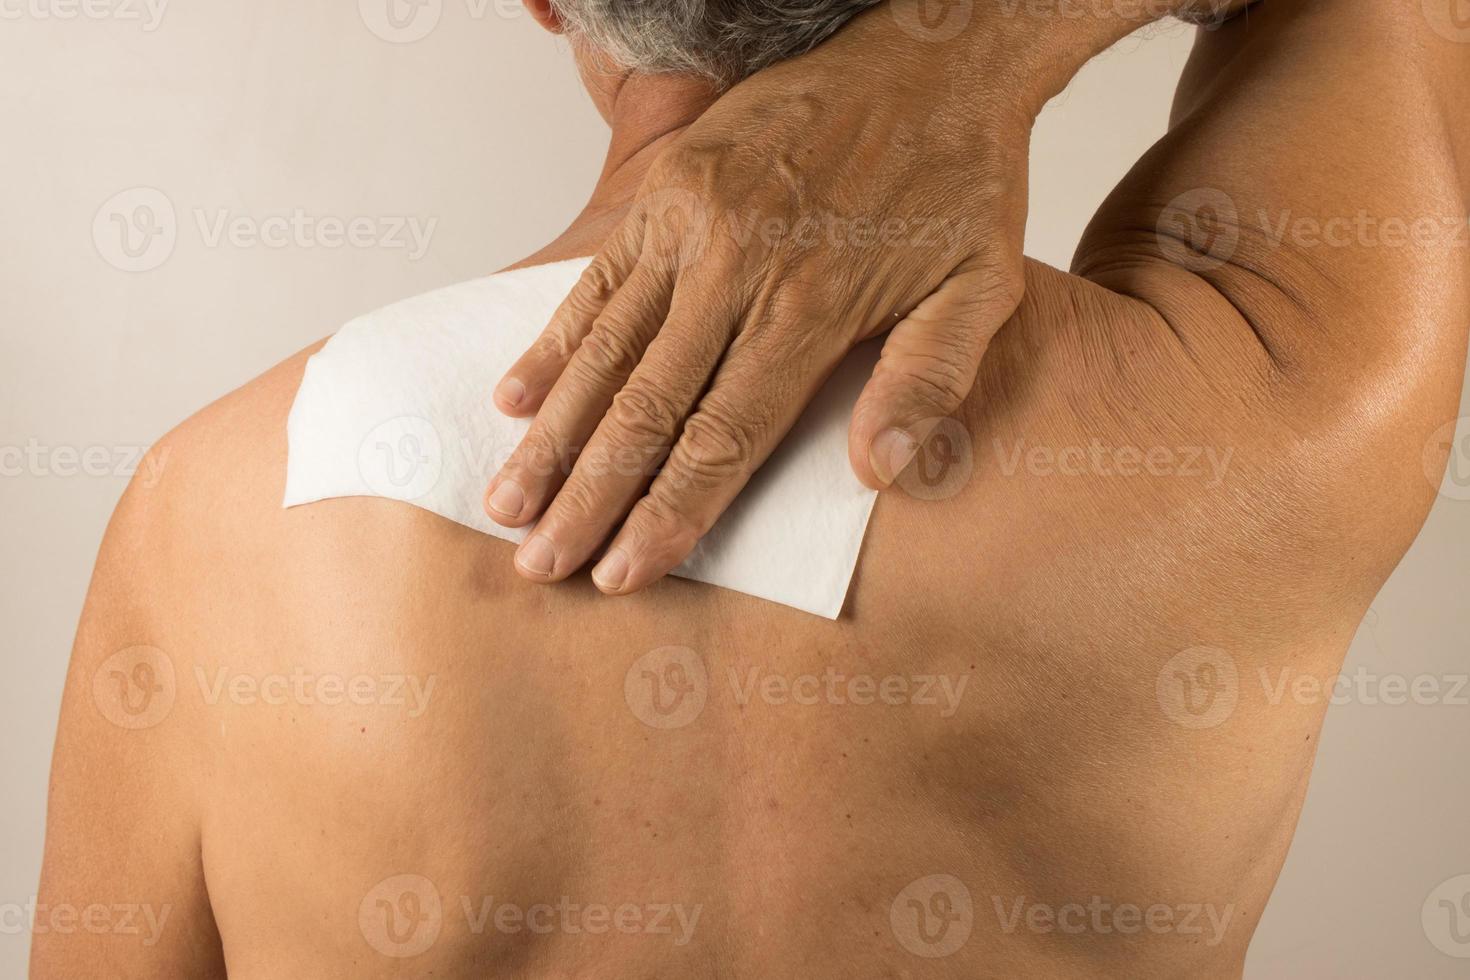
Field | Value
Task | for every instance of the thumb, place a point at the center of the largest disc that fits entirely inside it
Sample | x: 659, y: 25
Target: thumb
x: 927, y: 368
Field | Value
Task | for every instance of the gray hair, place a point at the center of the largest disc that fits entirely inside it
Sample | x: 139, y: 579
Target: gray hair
x: 722, y: 40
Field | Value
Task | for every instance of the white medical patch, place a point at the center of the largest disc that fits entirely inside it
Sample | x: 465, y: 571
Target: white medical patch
x: 397, y: 404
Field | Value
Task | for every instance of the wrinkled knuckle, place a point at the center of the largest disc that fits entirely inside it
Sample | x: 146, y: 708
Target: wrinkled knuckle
x: 553, y: 345
x: 670, y: 169
x: 596, y: 285
x: 690, y: 164
x: 715, y: 448
x: 639, y: 415
x: 608, y: 354
x: 670, y: 174
x: 586, y: 301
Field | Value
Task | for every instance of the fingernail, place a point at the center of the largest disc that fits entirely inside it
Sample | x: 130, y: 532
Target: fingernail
x: 508, y: 499
x: 612, y: 571
x: 890, y: 453
x: 537, y: 555
x: 510, y: 392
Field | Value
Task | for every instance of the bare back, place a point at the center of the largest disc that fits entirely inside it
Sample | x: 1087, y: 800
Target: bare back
x: 1047, y: 736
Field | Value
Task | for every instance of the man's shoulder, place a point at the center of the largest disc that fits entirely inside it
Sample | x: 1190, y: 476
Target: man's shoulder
x: 206, y: 489
x: 179, y: 555
x: 231, y: 454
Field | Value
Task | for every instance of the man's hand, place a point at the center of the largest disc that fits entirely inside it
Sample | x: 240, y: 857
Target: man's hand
x: 876, y: 184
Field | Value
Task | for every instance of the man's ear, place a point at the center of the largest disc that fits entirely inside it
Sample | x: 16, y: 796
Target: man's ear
x: 545, y: 15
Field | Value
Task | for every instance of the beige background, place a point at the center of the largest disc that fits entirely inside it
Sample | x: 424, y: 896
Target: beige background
x: 270, y: 107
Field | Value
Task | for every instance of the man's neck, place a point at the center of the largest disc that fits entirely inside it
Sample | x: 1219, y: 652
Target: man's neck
x: 647, y: 114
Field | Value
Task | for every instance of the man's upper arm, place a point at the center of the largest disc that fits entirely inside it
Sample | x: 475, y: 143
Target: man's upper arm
x: 122, y: 887
x: 1319, y: 361
x: 1299, y: 242
x: 1310, y: 184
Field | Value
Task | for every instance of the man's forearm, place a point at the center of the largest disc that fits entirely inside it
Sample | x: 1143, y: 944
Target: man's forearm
x: 1055, y: 38
x: 1035, y: 47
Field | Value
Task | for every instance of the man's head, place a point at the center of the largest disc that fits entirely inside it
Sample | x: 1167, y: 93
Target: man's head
x: 722, y: 41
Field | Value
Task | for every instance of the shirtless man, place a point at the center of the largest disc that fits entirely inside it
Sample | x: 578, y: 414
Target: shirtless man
x: 1097, y: 784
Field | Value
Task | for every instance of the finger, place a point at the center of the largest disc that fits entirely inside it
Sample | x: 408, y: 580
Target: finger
x: 722, y: 445
x: 523, y: 389
x: 927, y: 368
x: 569, y: 416
x: 631, y: 441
